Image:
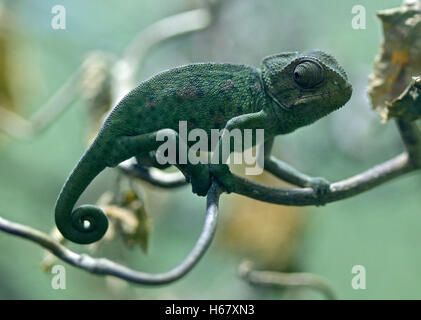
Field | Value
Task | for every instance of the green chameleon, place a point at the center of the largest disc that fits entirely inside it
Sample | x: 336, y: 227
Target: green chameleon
x: 291, y: 90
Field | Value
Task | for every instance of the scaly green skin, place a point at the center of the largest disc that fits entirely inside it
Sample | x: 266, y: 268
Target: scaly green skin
x: 290, y: 91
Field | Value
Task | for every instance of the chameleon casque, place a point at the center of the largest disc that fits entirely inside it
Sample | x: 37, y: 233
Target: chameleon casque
x: 291, y: 90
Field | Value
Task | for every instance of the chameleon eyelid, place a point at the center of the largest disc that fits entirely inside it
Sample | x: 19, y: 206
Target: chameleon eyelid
x: 314, y: 61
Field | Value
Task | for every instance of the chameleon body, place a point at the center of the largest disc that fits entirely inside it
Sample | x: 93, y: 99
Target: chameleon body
x: 290, y: 90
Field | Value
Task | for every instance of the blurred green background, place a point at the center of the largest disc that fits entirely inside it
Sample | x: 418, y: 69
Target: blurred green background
x: 379, y: 229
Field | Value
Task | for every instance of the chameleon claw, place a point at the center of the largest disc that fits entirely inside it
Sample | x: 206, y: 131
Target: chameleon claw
x: 321, y: 187
x: 223, y: 175
x: 200, y: 181
x: 199, y: 187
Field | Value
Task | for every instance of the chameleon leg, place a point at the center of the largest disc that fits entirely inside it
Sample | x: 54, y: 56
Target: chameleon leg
x: 217, y: 167
x: 289, y: 174
x: 148, y: 159
x: 198, y: 174
x: 278, y: 168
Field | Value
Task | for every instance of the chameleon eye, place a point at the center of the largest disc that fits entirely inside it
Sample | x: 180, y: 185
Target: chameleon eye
x: 308, y: 74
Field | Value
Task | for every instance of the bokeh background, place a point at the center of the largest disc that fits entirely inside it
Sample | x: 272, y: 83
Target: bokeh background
x: 379, y: 229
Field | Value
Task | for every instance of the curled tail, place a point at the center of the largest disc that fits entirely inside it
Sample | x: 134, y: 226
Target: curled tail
x: 87, y: 223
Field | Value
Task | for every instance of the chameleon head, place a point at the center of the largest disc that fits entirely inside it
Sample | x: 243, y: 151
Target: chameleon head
x: 304, y: 86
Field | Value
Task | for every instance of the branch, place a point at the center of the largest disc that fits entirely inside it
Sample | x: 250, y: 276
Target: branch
x: 19, y: 128
x: 404, y: 163
x: 154, y: 176
x: 102, y: 266
x: 125, y: 69
x: 411, y: 137
x: 165, y: 29
x: 285, y: 280
x: 340, y: 190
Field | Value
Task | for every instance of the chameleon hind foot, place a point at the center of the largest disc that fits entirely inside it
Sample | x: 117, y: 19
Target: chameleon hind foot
x: 320, y: 186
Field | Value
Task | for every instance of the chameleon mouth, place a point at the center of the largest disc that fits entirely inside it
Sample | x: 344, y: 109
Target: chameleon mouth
x: 346, y: 89
x: 313, y: 98
x: 316, y: 97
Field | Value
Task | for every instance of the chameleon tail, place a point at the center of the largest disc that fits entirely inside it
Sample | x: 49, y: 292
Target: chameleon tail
x: 72, y: 223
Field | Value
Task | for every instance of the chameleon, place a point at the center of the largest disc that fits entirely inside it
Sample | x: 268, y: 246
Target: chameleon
x: 289, y: 91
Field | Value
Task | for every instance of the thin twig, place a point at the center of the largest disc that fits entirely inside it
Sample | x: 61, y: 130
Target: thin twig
x: 102, y: 266
x: 165, y: 29
x: 124, y: 70
x: 20, y: 128
x: 286, y: 280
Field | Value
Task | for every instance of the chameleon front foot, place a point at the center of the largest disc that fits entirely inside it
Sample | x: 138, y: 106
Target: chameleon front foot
x: 200, y: 186
x: 223, y: 175
x: 200, y: 180
x: 321, y: 187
